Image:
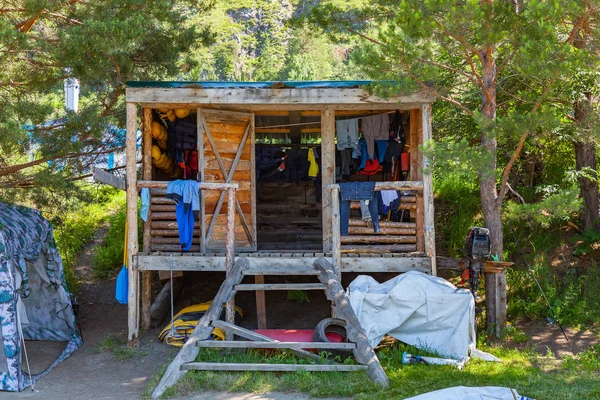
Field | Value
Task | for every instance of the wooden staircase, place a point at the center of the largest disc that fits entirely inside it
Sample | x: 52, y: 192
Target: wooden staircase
x: 329, y: 282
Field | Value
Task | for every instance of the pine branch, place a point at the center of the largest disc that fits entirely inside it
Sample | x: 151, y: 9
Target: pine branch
x: 420, y: 82
x: 433, y: 92
x: 448, y: 68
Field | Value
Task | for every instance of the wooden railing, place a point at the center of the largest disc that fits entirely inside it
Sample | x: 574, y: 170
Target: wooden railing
x: 230, y: 238
x: 334, y: 191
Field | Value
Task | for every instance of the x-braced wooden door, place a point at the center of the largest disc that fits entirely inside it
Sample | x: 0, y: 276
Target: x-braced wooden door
x: 226, y: 146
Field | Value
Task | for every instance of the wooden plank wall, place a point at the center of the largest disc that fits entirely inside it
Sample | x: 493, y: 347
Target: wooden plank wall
x: 227, y: 131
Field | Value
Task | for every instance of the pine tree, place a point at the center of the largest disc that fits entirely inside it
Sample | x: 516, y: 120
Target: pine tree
x: 103, y: 44
x: 504, y: 64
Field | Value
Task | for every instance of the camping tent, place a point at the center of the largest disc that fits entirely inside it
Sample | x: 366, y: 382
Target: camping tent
x: 34, y: 301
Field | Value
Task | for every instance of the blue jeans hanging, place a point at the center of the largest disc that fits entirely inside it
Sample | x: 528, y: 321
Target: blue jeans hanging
x: 357, y: 191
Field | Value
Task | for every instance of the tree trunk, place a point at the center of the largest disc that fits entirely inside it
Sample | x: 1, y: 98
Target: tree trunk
x: 585, y: 150
x: 492, y: 215
x: 585, y: 156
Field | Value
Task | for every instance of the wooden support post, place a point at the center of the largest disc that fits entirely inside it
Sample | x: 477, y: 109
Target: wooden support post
x: 335, y: 232
x: 203, y: 330
x: 253, y: 223
x: 327, y: 172
x: 363, y: 353
x: 414, y: 138
x: 230, y: 253
x: 147, y: 232
x: 200, y: 149
x: 428, y: 210
x: 132, y: 231
x: 495, y: 297
x: 261, y: 307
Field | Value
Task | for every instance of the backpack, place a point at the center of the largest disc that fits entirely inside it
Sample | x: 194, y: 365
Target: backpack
x: 188, y: 161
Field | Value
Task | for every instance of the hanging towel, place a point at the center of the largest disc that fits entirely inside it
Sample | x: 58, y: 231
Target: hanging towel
x: 145, y: 195
x: 347, y: 133
x: 313, y: 170
x: 185, y: 193
x: 387, y: 196
x: 375, y: 127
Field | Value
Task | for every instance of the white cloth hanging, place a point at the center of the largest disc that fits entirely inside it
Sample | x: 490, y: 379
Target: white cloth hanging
x: 387, y: 196
x: 347, y: 133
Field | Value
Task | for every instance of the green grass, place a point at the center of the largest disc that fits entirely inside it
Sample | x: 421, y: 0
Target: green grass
x: 117, y: 345
x: 78, y: 226
x: 108, y: 257
x: 300, y: 296
x: 588, y: 360
x: 573, y: 294
x: 534, y: 375
x: 458, y: 207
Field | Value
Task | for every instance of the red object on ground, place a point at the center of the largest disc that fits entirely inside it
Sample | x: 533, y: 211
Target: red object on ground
x: 404, y: 162
x: 296, y: 335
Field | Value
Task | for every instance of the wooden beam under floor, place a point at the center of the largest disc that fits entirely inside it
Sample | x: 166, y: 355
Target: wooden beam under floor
x: 348, y: 264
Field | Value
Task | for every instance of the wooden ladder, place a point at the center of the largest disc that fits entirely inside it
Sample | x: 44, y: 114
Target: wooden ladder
x: 200, y: 338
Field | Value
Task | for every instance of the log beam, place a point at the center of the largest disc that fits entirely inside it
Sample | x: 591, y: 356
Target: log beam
x: 132, y: 227
x: 428, y: 210
x: 147, y: 232
x: 260, y: 98
x: 327, y: 173
x: 352, y: 263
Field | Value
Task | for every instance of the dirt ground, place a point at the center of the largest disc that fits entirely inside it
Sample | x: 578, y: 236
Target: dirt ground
x: 91, y: 373
x: 546, y: 337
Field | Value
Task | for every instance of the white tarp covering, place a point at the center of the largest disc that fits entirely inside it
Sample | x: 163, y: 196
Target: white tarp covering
x: 421, y: 310
x: 472, y: 393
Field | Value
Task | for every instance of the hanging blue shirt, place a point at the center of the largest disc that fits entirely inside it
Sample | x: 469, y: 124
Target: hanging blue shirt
x: 187, y: 200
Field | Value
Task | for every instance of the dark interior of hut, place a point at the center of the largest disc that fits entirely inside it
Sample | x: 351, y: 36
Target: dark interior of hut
x: 288, y: 174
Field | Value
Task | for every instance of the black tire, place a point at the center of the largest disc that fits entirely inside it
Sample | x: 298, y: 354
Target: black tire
x: 330, y: 325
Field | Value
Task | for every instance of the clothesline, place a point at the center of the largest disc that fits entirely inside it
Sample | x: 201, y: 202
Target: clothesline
x: 314, y: 123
